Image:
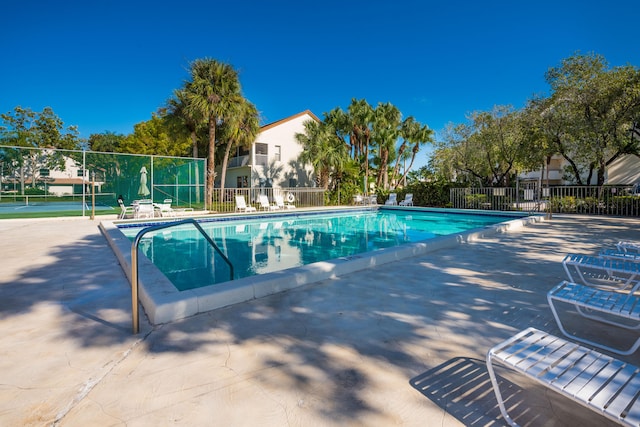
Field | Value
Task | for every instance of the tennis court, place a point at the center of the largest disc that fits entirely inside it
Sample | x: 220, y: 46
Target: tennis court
x: 37, y: 205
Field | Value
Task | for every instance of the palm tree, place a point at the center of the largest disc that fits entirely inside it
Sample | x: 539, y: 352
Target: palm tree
x: 414, y: 133
x: 322, y: 149
x: 386, y: 127
x: 207, y: 95
x: 361, y: 116
x: 187, y: 117
x: 240, y: 128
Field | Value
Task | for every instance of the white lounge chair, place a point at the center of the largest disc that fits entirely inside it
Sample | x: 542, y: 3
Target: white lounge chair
x: 165, y: 208
x: 629, y: 247
x: 408, y: 200
x: 392, y: 200
x: 597, y: 271
x: 358, y: 199
x: 241, y: 205
x: 599, y: 382
x: 126, y: 210
x: 619, y: 309
x: 265, y: 205
x: 620, y: 255
x: 281, y: 204
x: 144, y: 209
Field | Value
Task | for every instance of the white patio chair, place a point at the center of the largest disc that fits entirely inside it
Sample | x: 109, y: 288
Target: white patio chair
x: 392, y: 200
x: 241, y: 205
x: 408, y: 200
x: 144, y: 209
x: 125, y: 210
x: 618, y: 309
x: 265, y: 205
x: 281, y: 204
x: 165, y: 208
x: 599, y: 382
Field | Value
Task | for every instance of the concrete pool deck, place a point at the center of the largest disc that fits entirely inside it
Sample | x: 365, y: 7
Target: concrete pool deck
x: 398, y: 344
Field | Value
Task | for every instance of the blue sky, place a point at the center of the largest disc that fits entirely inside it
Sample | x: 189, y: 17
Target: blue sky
x: 105, y: 66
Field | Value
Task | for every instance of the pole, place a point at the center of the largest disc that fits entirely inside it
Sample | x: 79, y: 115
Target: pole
x: 93, y: 195
x: 84, y: 182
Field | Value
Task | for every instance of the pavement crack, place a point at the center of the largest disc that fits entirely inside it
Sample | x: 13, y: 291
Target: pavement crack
x: 91, y: 383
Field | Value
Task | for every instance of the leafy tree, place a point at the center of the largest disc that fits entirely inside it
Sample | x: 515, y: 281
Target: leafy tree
x: 32, y: 130
x: 488, y: 150
x: 108, y: 142
x: 154, y: 137
x: 590, y: 112
x: 26, y: 128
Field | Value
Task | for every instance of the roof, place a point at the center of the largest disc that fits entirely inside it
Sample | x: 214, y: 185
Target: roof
x: 295, y: 116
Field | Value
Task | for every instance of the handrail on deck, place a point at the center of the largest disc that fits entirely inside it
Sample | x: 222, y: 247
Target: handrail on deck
x: 134, y: 261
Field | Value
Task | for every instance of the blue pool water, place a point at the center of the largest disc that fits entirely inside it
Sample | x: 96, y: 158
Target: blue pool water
x: 270, y: 243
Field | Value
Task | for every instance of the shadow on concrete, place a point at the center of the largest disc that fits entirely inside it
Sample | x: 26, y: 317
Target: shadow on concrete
x: 461, y: 386
x: 407, y: 316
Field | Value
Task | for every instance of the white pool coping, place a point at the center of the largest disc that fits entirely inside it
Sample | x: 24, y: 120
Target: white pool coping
x: 164, y: 303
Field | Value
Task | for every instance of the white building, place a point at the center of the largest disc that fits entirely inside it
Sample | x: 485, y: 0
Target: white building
x: 272, y: 160
x: 59, y: 181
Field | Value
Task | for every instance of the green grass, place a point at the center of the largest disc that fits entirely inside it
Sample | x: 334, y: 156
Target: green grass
x: 58, y: 214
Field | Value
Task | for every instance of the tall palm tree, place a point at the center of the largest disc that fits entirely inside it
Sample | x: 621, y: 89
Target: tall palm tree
x: 188, y: 117
x: 414, y: 133
x: 212, y: 84
x: 386, y: 128
x: 240, y: 128
x: 361, y: 116
x: 322, y: 149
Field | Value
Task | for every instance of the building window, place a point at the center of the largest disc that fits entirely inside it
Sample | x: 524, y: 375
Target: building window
x: 242, y: 182
x: 262, y: 151
x: 293, y: 182
x: 277, y: 153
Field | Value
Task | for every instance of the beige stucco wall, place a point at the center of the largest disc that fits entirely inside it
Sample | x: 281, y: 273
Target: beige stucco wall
x: 624, y: 171
x: 283, y: 135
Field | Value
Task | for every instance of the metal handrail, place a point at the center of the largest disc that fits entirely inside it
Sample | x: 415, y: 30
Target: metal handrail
x: 134, y: 261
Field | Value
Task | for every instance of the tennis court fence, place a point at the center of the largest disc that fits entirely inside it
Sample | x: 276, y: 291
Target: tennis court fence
x: 72, y: 181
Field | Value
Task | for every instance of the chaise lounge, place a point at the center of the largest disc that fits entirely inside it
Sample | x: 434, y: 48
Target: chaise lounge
x: 408, y: 200
x: 619, y: 309
x: 241, y: 205
x: 599, y: 382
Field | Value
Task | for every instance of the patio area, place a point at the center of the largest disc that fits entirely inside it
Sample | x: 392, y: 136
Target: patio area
x: 398, y: 344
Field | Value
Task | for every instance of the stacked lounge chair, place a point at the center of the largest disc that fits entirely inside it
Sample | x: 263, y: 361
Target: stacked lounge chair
x: 599, y: 382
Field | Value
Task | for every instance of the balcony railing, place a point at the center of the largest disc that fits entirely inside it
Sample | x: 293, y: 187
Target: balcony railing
x: 236, y: 162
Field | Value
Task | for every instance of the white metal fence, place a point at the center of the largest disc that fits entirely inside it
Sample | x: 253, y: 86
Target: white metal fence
x: 225, y: 200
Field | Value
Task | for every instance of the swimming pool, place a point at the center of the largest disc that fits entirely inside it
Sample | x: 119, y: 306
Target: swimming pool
x: 272, y: 243
x: 283, y: 248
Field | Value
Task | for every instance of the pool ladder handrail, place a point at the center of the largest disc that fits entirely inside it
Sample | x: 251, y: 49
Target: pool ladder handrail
x: 134, y: 261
